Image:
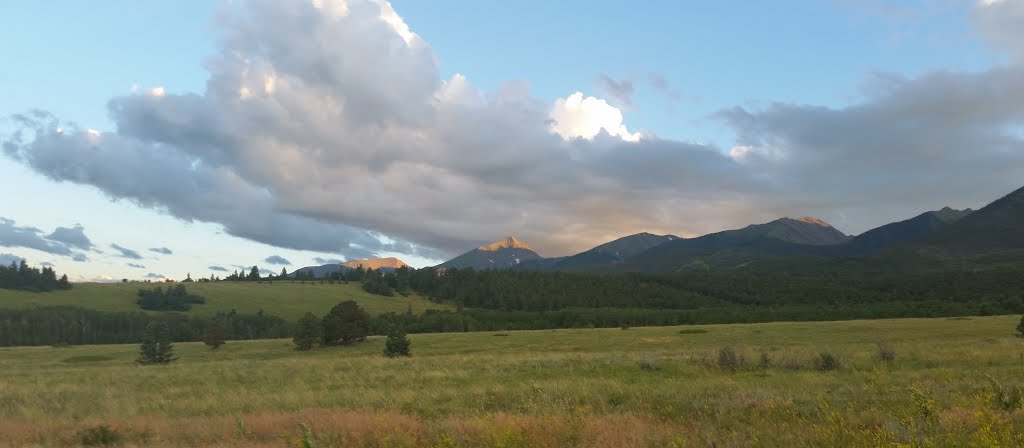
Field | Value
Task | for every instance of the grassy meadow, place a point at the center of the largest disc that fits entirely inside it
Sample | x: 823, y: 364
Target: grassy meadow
x: 636, y: 387
x: 288, y: 300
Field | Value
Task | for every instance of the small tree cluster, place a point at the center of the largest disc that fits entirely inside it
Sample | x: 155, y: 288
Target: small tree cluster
x: 156, y: 345
x: 172, y: 299
x: 346, y: 323
x: 21, y: 276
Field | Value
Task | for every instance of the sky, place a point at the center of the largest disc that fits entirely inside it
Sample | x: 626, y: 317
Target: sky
x: 149, y: 140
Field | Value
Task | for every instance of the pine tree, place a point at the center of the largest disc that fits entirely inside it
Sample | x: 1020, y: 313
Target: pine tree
x: 156, y: 345
x: 308, y: 332
x: 213, y: 336
x: 397, y: 343
x: 346, y: 323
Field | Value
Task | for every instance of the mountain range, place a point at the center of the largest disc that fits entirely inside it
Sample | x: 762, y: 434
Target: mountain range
x: 996, y: 229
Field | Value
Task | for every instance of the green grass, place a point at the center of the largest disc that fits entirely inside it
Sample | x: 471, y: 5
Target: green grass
x: 283, y: 299
x: 595, y: 387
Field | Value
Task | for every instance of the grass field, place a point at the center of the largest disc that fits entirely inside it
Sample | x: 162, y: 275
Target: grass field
x: 603, y: 387
x: 283, y: 299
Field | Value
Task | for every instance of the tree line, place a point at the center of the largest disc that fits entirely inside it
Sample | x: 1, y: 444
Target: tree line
x: 22, y: 276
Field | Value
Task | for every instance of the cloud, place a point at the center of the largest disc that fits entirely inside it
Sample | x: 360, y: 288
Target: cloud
x: 330, y: 129
x: 79, y: 258
x: 47, y: 263
x: 11, y: 235
x: 161, y: 250
x: 1001, y: 22
x: 153, y: 275
x: 218, y: 268
x: 322, y: 261
x: 7, y: 259
x: 73, y: 237
x: 137, y: 266
x: 277, y: 259
x: 126, y: 252
x: 620, y: 92
x: 661, y: 84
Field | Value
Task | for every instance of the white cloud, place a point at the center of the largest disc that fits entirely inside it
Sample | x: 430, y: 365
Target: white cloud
x: 576, y: 116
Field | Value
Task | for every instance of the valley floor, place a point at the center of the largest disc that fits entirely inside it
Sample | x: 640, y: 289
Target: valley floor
x: 952, y: 383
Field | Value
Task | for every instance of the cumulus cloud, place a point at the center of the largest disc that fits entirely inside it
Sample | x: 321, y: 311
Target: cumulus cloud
x: 73, y: 237
x: 161, y: 250
x: 136, y: 265
x: 79, y: 258
x: 326, y: 126
x: 153, y: 275
x: 277, y: 259
x: 218, y: 268
x: 126, y: 252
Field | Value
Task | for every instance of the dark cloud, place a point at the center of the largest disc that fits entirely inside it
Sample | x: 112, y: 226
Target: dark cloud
x: 218, y: 268
x: 161, y: 250
x: 137, y: 266
x: 309, y: 137
x: 277, y: 259
x: 7, y: 259
x: 320, y: 260
x: 126, y: 252
x: 154, y: 275
x: 79, y: 258
x: 11, y: 235
x: 620, y: 92
x: 46, y: 263
x: 73, y: 237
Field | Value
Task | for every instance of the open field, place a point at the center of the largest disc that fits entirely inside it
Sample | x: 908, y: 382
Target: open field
x: 603, y: 387
x: 287, y: 300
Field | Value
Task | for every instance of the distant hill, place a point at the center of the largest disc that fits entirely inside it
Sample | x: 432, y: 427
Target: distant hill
x: 995, y: 228
x: 384, y: 264
x: 781, y: 238
x: 506, y: 253
x: 610, y: 253
x: 901, y: 232
x: 389, y: 263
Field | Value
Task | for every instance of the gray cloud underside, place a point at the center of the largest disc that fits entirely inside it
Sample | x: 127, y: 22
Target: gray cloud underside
x: 620, y: 92
x: 61, y: 241
x: 7, y: 259
x: 126, y: 252
x: 161, y: 250
x: 137, y: 266
x: 218, y: 268
x: 320, y: 260
x: 154, y: 275
x: 314, y: 129
x: 277, y: 259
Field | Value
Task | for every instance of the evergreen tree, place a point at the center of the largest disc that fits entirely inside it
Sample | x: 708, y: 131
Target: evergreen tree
x: 397, y: 343
x: 1020, y: 327
x: 308, y: 332
x: 254, y: 274
x: 156, y: 344
x: 284, y: 273
x: 347, y: 322
x: 213, y: 336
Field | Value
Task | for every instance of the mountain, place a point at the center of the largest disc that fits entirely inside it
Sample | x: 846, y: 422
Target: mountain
x: 781, y: 238
x: 502, y: 254
x: 390, y: 263
x: 903, y: 231
x: 384, y: 264
x: 613, y: 252
x: 995, y: 228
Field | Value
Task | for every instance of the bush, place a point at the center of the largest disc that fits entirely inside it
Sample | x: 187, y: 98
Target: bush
x: 765, y: 362
x: 397, y: 344
x: 729, y: 360
x: 649, y: 365
x: 827, y: 361
x: 308, y: 332
x: 886, y: 352
x: 213, y: 335
x: 102, y: 435
x: 1006, y: 398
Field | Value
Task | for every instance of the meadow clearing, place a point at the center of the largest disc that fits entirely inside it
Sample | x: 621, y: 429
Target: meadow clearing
x: 288, y: 300
x: 951, y: 384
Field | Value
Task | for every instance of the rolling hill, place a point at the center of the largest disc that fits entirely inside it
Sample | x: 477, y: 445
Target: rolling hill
x: 288, y: 300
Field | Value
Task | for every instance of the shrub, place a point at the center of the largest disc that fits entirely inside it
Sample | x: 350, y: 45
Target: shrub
x: 649, y: 365
x: 827, y: 361
x: 624, y: 327
x: 1020, y: 327
x: 765, y: 362
x: 729, y: 360
x: 102, y: 435
x: 886, y: 352
x: 397, y: 343
x: 1006, y: 398
x: 213, y: 335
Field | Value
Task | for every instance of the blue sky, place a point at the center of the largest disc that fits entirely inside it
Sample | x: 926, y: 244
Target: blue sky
x: 702, y: 79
